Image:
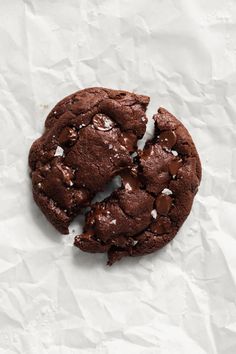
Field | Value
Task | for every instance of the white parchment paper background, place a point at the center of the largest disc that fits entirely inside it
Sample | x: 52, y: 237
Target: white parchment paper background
x: 55, y: 299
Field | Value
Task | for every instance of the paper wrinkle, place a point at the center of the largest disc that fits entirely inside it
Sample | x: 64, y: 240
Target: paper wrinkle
x: 56, y: 299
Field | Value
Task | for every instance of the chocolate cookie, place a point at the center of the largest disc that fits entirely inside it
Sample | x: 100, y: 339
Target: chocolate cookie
x: 154, y: 200
x: 88, y: 139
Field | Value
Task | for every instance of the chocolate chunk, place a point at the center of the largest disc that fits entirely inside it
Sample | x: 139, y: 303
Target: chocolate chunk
x: 174, y: 166
x: 102, y: 122
x: 163, y: 204
x: 167, y: 139
x: 154, y: 162
x: 161, y: 226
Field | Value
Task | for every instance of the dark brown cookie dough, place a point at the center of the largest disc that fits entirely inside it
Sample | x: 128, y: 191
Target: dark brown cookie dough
x: 88, y: 139
x: 155, y: 198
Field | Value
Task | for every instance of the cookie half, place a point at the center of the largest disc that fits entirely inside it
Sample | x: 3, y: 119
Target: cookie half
x: 155, y: 198
x: 88, y: 139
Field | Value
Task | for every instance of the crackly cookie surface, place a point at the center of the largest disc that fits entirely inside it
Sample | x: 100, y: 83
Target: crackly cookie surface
x: 88, y: 139
x: 155, y: 198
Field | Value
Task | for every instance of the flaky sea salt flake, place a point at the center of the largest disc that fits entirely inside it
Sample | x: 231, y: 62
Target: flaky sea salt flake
x: 154, y: 213
x: 167, y: 191
x: 59, y: 151
x: 175, y: 153
x: 128, y: 187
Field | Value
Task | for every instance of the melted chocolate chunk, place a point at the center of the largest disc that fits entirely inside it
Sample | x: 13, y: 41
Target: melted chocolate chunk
x: 163, y: 204
x: 167, y: 139
x: 102, y: 122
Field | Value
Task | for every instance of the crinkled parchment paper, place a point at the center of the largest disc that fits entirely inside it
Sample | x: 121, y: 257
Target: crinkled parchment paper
x: 55, y: 299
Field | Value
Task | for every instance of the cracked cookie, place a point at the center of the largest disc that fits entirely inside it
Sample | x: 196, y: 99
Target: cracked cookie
x: 89, y: 138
